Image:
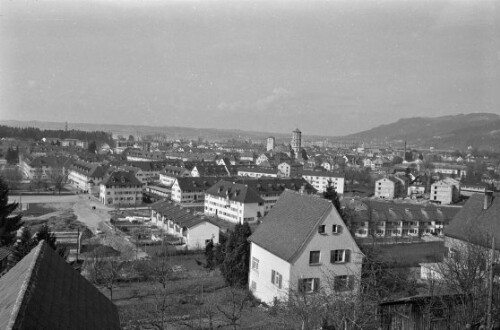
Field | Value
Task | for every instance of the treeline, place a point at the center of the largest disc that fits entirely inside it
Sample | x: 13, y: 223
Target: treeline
x: 33, y: 133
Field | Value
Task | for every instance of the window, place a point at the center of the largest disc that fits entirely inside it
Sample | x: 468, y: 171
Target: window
x: 321, y: 229
x: 255, y: 263
x: 309, y: 285
x: 340, y: 256
x: 343, y: 283
x: 276, y: 278
x: 314, y: 257
x: 336, y: 229
x: 253, y: 286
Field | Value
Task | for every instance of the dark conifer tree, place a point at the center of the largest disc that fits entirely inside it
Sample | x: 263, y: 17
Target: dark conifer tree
x: 235, y: 266
x: 9, y: 224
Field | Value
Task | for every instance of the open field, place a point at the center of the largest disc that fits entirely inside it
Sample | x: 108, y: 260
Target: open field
x: 192, y: 294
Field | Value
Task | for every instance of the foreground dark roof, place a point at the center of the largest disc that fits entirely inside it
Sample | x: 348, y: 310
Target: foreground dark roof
x: 289, y: 224
x: 43, y: 292
x: 476, y: 225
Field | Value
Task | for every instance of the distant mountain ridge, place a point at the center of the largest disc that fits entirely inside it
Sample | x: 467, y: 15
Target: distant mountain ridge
x: 481, y: 130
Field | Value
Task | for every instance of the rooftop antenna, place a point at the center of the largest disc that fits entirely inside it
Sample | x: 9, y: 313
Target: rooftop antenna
x: 66, y: 126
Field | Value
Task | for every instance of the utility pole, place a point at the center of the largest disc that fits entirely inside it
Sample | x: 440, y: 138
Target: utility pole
x: 490, y: 284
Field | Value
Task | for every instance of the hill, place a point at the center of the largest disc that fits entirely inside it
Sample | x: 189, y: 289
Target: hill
x: 480, y: 130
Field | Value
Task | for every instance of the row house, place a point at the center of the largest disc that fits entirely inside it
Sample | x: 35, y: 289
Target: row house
x: 388, y: 219
x: 120, y: 188
x: 193, y: 231
x: 190, y: 192
x: 86, y: 176
x: 170, y: 173
x: 257, y: 172
x: 321, y: 180
x: 144, y: 156
x: 446, y: 191
x: 249, y: 199
x: 302, y: 248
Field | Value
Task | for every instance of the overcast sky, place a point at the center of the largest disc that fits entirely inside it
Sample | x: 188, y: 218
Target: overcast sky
x: 329, y: 68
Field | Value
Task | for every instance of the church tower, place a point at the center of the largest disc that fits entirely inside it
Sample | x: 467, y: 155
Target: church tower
x: 296, y: 142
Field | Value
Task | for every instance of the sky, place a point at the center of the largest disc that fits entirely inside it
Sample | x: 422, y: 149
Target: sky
x: 326, y: 67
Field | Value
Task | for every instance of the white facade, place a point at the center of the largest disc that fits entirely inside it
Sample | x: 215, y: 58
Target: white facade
x: 118, y: 195
x: 337, y: 260
x: 321, y: 180
x: 443, y: 192
x: 385, y: 188
x: 232, y: 211
x: 257, y: 173
x: 194, y: 237
x: 187, y: 198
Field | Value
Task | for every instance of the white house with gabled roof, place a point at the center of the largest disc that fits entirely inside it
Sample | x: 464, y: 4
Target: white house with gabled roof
x: 302, y: 246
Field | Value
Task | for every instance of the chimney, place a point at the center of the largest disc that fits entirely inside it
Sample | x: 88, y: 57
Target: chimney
x: 488, y: 197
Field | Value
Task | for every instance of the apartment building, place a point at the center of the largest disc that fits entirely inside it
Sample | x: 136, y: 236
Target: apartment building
x: 321, y: 180
x: 190, y: 192
x: 120, y: 188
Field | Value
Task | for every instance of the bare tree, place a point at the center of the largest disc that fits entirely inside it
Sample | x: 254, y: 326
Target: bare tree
x: 58, y: 178
x: 105, y: 271
x: 238, y: 300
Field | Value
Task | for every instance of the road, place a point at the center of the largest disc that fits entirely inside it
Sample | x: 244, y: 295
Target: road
x: 83, y: 208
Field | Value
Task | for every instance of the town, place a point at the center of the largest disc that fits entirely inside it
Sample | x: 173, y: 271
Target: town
x: 171, y: 230
x: 249, y: 165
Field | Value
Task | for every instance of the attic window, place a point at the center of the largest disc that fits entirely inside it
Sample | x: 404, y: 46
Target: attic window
x: 336, y: 229
x: 322, y: 230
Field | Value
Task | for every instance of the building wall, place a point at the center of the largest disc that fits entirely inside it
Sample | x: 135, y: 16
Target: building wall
x: 198, y: 235
x: 442, y: 192
x: 259, y: 280
x: 325, y: 243
x: 232, y: 211
x: 113, y: 195
x: 320, y: 183
x: 385, y: 188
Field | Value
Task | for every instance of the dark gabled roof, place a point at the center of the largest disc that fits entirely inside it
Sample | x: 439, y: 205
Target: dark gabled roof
x: 121, y: 179
x: 373, y: 210
x: 173, y: 170
x: 476, y: 225
x: 234, y: 191
x: 92, y: 170
x: 197, y: 183
x: 183, y: 217
x: 269, y: 185
x: 43, y: 292
x: 290, y: 223
x: 211, y: 170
